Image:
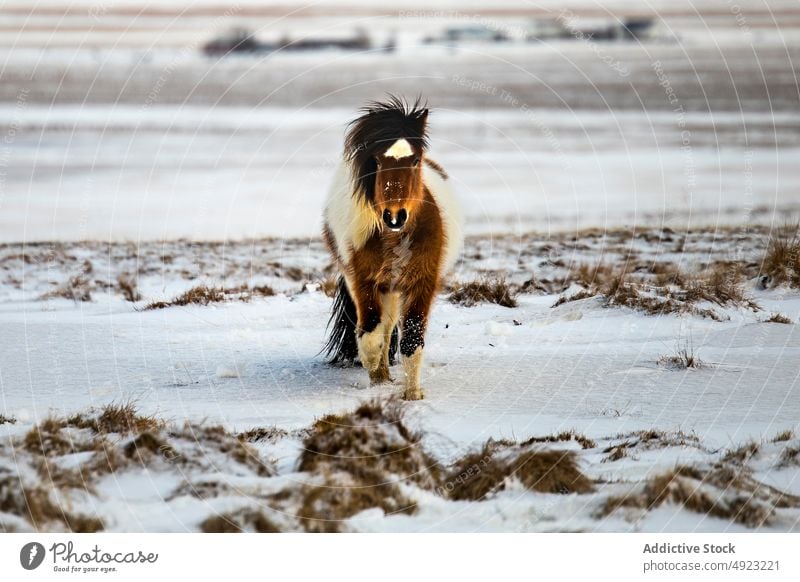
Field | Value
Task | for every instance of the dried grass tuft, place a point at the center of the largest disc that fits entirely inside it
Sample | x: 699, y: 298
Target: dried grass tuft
x: 778, y: 318
x: 784, y: 435
x: 324, y: 508
x: 483, y: 290
x: 35, y: 505
x: 482, y: 473
x: 240, y: 521
x: 781, y: 262
x: 721, y: 491
x: 371, y: 444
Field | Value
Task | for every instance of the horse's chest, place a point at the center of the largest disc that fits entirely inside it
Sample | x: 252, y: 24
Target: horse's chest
x: 394, y: 262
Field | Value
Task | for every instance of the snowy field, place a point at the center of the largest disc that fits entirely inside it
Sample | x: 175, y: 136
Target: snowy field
x: 617, y: 349
x: 597, y: 373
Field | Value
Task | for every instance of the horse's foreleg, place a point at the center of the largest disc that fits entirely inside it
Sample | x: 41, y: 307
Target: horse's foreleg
x: 371, y: 336
x: 391, y: 314
x: 412, y: 340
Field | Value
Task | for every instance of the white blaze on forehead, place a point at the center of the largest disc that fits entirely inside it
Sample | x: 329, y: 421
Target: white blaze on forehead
x: 400, y: 149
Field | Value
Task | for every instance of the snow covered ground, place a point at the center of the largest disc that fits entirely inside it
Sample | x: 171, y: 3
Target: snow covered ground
x: 134, y: 169
x: 530, y: 371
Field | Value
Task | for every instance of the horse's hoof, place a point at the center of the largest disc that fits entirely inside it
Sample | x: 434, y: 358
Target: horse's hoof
x: 410, y: 394
x: 380, y: 376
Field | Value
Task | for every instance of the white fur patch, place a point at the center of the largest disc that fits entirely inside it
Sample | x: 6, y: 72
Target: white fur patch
x: 400, y: 149
x: 450, y: 212
x: 351, y: 221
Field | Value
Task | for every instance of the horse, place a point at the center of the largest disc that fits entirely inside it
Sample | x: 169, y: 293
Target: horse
x: 393, y: 228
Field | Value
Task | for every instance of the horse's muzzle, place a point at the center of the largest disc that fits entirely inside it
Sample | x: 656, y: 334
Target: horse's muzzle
x: 395, y: 220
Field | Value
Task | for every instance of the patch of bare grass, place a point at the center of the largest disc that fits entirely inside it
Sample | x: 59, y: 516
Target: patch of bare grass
x: 483, y: 290
x: 372, y: 444
x: 120, y: 418
x: 205, y: 295
x: 778, y: 318
x: 200, y: 295
x: 647, y: 440
x: 489, y: 470
x: 35, y: 504
x: 563, y: 436
x: 781, y: 261
x: 669, y: 291
x: 790, y: 456
x: 721, y: 491
x: 784, y: 435
x: 244, y: 520
x: 128, y: 288
x: 741, y: 455
x: 78, y: 288
x: 217, y: 438
x: 323, y: 508
x: 270, y: 434
x: 684, y: 357
x: 49, y: 439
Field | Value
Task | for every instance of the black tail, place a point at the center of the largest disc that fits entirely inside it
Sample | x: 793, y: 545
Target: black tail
x: 341, y: 347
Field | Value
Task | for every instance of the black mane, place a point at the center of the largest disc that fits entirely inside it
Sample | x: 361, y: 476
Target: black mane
x: 380, y: 125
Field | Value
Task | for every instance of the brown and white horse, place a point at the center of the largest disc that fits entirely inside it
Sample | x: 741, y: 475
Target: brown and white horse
x: 393, y: 228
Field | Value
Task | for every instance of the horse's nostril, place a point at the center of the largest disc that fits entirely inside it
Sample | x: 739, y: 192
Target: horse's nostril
x: 395, y: 221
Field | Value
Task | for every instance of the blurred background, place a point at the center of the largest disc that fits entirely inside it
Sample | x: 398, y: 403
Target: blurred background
x: 136, y: 120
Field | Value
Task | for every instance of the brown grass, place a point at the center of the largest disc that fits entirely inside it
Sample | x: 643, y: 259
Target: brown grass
x: 784, y: 435
x: 36, y: 505
x: 778, y: 318
x: 479, y: 474
x: 48, y: 439
x: 325, y: 507
x: 742, y: 454
x: 269, y: 434
x: 781, y: 262
x: 582, y: 294
x: 78, y: 288
x: 228, y: 444
x: 721, y: 491
x: 200, y: 295
x: 563, y: 436
x: 483, y: 290
x: 148, y: 445
x: 238, y: 522
x: 670, y: 291
x: 372, y: 444
x: 116, y: 418
x: 128, y: 287
x: 205, y: 295
x: 683, y: 358
x: 790, y: 456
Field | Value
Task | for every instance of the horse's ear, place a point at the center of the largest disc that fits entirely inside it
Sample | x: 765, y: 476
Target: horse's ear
x: 423, y: 115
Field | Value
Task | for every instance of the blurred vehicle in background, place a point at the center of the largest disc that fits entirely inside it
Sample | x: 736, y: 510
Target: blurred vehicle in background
x: 545, y: 29
x: 472, y: 34
x: 240, y: 40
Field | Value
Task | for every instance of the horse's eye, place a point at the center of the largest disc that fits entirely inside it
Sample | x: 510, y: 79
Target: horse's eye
x: 416, y: 162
